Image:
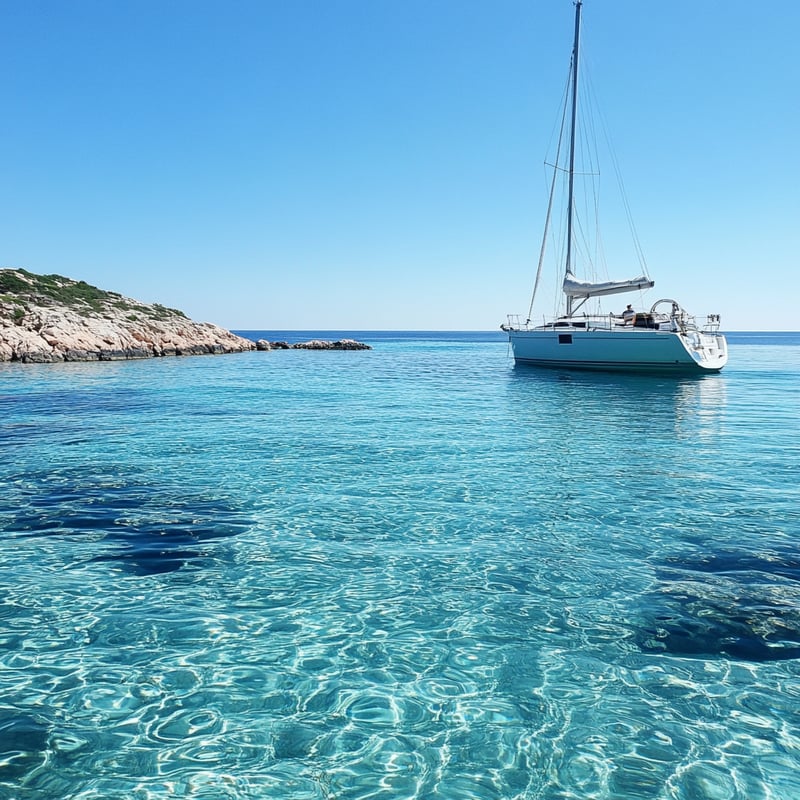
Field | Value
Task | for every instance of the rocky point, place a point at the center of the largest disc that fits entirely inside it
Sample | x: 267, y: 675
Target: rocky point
x: 45, y: 318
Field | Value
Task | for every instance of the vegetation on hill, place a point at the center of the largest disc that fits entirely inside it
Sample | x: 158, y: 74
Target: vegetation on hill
x: 20, y: 288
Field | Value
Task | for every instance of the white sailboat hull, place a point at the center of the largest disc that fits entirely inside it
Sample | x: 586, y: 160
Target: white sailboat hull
x: 629, y: 349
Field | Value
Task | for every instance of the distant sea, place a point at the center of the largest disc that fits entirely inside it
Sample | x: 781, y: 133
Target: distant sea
x: 416, y: 571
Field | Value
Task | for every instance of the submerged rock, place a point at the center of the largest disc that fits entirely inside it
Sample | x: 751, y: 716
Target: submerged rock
x: 725, y: 604
x: 49, y: 318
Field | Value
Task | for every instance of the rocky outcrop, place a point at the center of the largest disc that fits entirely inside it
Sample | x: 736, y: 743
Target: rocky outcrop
x: 314, y: 344
x: 340, y: 344
x: 46, y: 318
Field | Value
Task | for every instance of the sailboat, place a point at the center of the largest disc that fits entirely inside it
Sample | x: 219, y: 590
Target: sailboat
x: 661, y: 338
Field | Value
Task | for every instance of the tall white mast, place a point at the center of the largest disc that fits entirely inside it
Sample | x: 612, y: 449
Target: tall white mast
x: 575, y: 46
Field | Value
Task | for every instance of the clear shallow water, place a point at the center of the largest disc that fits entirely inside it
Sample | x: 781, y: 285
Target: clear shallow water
x: 411, y: 572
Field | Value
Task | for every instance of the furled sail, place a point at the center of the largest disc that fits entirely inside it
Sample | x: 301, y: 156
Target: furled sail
x: 584, y: 289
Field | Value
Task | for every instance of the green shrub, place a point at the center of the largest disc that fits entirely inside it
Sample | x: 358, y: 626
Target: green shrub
x: 9, y: 282
x: 79, y: 295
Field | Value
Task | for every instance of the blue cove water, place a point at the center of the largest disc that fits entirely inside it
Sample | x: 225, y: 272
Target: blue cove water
x: 411, y: 572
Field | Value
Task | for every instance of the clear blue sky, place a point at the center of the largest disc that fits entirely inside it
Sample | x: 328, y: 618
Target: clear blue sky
x: 378, y: 164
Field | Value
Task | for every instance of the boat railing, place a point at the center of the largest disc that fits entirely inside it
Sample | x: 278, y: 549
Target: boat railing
x: 677, y: 322
x: 514, y: 323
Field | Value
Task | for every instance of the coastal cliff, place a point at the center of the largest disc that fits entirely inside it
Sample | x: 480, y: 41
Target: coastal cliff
x: 46, y: 318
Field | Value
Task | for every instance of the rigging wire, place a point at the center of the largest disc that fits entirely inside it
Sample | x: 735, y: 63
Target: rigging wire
x: 556, y: 169
x: 597, y: 113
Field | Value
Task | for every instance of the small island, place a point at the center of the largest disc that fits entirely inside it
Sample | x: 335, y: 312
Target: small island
x: 50, y: 318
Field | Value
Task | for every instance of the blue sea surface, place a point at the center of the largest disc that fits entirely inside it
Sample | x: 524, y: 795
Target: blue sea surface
x: 416, y: 571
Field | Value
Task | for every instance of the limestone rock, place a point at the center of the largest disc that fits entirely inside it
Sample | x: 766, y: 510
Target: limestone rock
x: 49, y: 318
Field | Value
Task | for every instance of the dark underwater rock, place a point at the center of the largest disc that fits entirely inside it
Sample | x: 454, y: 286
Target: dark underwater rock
x: 23, y: 742
x: 724, y: 605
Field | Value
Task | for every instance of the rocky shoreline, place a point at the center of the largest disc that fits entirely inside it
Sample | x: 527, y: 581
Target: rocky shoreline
x: 49, y: 318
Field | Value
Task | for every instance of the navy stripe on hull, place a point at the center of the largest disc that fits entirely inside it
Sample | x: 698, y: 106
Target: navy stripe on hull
x: 609, y: 366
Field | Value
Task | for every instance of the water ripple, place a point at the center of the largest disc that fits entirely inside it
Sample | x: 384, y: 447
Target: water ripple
x: 414, y: 572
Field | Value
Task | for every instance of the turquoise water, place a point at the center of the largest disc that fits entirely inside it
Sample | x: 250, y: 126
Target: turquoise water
x: 410, y: 572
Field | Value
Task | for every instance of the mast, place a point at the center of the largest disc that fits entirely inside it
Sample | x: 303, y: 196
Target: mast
x: 575, y: 45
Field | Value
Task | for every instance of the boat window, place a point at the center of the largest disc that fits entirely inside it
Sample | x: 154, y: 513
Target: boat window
x: 565, y: 338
